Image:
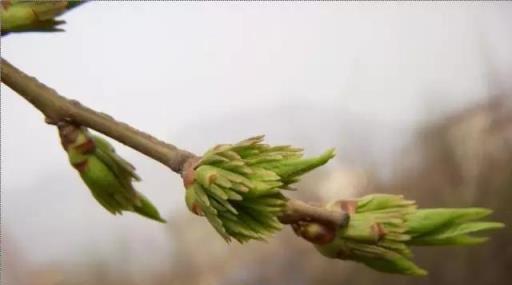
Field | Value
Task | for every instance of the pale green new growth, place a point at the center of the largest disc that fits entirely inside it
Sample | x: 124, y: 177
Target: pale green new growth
x: 382, y: 227
x: 238, y: 187
x: 33, y: 16
x: 107, y: 175
x: 449, y: 226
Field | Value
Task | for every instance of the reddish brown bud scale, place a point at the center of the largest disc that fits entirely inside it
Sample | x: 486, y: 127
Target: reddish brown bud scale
x: 188, y: 173
x: 196, y: 209
x: 379, y: 231
x: 86, y: 147
x: 316, y: 233
x: 80, y: 166
x: 349, y: 206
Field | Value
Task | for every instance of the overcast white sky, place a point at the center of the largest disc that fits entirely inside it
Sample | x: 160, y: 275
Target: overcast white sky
x: 357, y: 76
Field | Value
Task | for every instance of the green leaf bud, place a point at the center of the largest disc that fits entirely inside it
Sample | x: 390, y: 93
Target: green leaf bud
x: 237, y: 187
x: 108, y: 176
x: 30, y: 16
x: 382, y: 227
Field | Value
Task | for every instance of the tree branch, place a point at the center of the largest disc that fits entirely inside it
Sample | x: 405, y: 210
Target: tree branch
x: 58, y: 108
x: 297, y: 211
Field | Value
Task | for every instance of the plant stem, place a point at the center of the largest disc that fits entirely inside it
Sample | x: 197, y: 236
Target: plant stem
x: 58, y: 108
x: 297, y: 211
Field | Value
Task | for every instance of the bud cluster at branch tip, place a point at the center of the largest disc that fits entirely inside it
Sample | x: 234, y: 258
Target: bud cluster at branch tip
x: 382, y: 227
x: 237, y: 187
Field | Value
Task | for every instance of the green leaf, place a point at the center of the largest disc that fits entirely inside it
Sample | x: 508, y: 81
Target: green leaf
x: 457, y: 234
x: 426, y: 220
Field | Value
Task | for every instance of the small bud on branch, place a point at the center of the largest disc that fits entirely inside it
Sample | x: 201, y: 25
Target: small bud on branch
x: 108, y: 176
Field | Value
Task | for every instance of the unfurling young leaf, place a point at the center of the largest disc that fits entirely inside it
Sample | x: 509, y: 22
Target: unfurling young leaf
x: 449, y: 226
x: 382, y: 227
x: 107, y: 175
x: 238, y: 187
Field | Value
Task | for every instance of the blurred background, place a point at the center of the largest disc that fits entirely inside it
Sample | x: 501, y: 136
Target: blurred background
x: 416, y: 98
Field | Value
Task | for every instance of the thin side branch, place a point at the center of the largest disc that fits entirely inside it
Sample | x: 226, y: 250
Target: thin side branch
x: 299, y: 211
x: 58, y: 108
